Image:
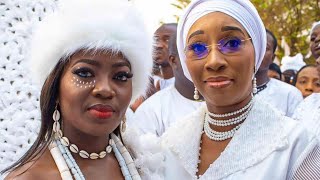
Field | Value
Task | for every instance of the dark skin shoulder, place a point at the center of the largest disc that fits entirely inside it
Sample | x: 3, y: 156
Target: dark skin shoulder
x: 44, y: 167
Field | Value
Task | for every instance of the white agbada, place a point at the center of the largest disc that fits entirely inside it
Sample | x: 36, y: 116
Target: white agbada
x: 308, y: 112
x: 164, y: 83
x: 157, y: 113
x: 281, y: 96
x: 267, y: 146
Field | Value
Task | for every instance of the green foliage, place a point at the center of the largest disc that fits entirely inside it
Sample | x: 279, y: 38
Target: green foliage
x: 290, y: 20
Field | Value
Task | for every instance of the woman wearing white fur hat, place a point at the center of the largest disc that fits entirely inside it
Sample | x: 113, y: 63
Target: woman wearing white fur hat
x: 236, y: 136
x: 92, y: 57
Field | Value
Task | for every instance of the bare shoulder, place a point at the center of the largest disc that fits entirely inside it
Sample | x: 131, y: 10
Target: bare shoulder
x: 41, y: 168
x: 24, y: 172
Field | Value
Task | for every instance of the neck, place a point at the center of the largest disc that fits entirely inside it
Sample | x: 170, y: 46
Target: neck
x: 166, y: 72
x: 184, y: 87
x: 229, y: 109
x: 262, y: 77
x: 86, y: 142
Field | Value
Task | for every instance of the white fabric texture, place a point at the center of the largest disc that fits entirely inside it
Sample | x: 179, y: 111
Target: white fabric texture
x: 164, y: 83
x: 292, y: 62
x: 267, y: 146
x: 111, y: 25
x: 281, y: 96
x: 157, y: 113
x: 19, y: 111
x: 241, y: 10
x: 308, y: 112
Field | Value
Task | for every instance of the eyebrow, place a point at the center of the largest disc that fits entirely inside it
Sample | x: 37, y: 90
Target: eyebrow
x: 231, y: 28
x: 121, y: 64
x: 88, y: 61
x: 96, y: 63
x: 195, y: 33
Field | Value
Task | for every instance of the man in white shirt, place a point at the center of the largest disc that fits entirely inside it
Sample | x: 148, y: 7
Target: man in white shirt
x: 161, y: 54
x: 158, y: 112
x: 278, y: 94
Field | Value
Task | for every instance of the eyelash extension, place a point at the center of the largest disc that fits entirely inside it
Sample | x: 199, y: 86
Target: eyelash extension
x: 83, y: 70
x: 127, y: 75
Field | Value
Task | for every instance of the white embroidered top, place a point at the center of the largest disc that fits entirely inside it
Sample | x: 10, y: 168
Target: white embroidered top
x: 267, y: 146
x: 282, y: 96
x: 308, y: 112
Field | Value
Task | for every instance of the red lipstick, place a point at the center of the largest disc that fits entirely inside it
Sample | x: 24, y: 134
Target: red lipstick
x: 101, y: 111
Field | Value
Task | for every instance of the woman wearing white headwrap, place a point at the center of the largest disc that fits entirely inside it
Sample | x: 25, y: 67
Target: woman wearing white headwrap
x: 308, y: 111
x: 221, y: 44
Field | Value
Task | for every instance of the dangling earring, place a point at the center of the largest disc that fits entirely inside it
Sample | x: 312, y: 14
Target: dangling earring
x: 56, y: 125
x: 123, y: 125
x: 196, y: 94
x: 255, y: 89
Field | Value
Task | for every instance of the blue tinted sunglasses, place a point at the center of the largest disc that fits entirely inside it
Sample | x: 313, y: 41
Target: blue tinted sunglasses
x: 200, y: 50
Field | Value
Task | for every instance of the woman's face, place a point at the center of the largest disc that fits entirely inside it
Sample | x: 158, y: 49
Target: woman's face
x: 95, y: 91
x: 308, y: 81
x: 224, y: 76
x: 315, y: 42
x: 273, y: 74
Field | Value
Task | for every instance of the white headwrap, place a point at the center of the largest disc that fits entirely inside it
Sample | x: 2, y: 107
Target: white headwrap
x: 91, y: 25
x: 292, y: 62
x: 314, y: 25
x: 241, y: 10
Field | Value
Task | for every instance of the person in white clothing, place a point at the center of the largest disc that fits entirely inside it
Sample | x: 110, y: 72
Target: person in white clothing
x: 235, y: 135
x: 278, y: 94
x: 157, y: 113
x: 161, y: 55
x: 308, y: 111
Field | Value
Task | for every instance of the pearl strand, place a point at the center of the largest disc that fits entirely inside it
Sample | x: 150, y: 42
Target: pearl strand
x: 219, y: 136
x: 228, y: 122
x: 231, y: 113
x: 199, y: 156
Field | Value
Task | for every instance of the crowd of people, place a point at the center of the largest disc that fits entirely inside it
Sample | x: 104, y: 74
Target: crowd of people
x: 201, y: 99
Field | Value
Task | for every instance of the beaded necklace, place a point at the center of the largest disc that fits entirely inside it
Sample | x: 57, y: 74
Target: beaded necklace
x: 66, y: 163
x: 220, y: 136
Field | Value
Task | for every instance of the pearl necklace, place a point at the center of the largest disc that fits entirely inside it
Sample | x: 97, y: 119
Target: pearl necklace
x: 228, y: 122
x: 221, y: 136
x: 231, y: 113
x: 74, y: 148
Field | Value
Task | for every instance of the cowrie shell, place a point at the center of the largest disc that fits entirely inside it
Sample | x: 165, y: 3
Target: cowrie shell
x: 64, y: 141
x: 109, y: 149
x: 56, y: 126
x: 94, y: 156
x: 56, y: 115
x: 84, y: 154
x: 102, y: 154
x: 73, y: 148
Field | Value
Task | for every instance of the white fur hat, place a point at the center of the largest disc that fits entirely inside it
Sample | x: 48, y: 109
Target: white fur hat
x: 93, y: 24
